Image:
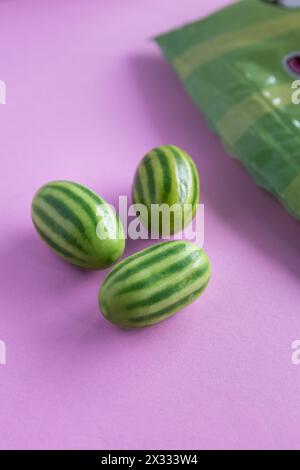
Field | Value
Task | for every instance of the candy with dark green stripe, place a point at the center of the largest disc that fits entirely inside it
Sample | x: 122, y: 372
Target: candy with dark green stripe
x: 153, y: 284
x: 166, y: 176
x: 78, y: 225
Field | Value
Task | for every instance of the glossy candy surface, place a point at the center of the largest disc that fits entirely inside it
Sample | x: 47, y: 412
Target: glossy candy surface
x: 167, y: 175
x: 153, y: 284
x: 77, y: 224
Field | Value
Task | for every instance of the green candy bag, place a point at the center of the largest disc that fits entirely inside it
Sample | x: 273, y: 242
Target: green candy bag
x: 240, y: 66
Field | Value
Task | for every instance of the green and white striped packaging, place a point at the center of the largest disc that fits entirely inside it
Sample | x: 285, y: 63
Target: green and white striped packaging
x: 238, y: 65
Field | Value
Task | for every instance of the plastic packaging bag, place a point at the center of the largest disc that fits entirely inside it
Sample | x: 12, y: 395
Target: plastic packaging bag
x: 240, y: 66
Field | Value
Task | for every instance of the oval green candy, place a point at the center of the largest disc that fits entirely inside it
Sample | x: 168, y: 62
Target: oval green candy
x: 153, y: 284
x: 167, y: 175
x: 78, y: 225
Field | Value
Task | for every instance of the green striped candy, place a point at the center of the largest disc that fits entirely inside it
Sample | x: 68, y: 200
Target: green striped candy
x: 153, y: 284
x: 167, y: 175
x: 78, y: 224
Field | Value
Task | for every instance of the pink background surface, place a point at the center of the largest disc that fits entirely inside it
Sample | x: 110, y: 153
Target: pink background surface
x: 87, y: 95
